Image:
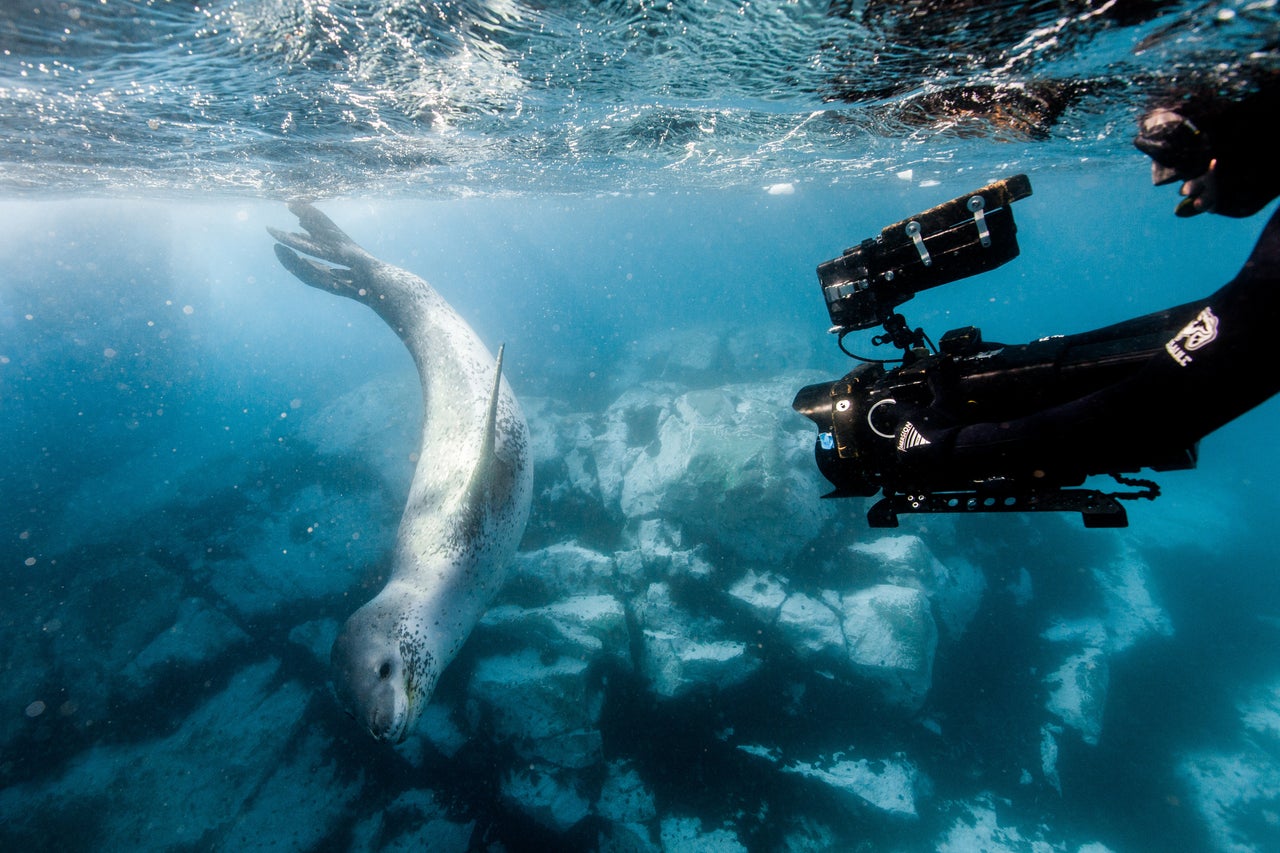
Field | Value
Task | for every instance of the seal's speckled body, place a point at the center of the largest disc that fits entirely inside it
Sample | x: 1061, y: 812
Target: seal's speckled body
x: 469, y: 499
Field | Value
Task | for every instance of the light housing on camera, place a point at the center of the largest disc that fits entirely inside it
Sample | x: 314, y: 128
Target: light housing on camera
x: 968, y: 235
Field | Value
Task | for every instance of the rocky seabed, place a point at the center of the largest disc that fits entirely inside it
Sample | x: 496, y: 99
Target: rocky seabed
x: 691, y: 653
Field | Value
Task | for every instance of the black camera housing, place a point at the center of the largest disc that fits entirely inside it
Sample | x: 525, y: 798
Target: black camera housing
x: 971, y: 234
x: 966, y: 379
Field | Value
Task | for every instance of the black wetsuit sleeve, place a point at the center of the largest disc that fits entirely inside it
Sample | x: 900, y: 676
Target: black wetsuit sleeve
x: 1218, y: 361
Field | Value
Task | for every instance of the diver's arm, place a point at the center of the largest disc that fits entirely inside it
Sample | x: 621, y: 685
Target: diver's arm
x: 1218, y: 363
x: 1222, y: 150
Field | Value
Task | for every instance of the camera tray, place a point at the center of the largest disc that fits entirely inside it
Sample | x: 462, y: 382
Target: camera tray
x: 1097, y: 509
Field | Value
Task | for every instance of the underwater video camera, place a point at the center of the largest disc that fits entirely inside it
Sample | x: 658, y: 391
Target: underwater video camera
x: 974, y: 381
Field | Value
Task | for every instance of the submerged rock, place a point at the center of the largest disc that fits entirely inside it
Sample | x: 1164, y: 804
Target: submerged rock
x: 545, y: 708
x: 1236, y: 790
x: 811, y: 627
x: 980, y: 827
x: 1078, y: 692
x: 548, y: 795
x: 586, y: 627
x: 428, y: 828
x: 891, y: 638
x: 682, y: 652
x: 315, y: 550
x: 955, y: 588
x: 376, y: 422
x: 198, y: 635
x: 624, y: 797
x: 889, y: 786
x: 686, y: 835
x: 729, y: 462
x: 560, y: 571
x: 1237, y: 793
x: 762, y: 593
x: 231, y: 770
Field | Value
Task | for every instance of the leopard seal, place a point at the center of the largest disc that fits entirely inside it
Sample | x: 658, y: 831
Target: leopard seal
x: 468, y: 501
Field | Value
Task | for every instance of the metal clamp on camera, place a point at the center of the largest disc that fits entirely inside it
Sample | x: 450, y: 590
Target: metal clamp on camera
x: 972, y: 381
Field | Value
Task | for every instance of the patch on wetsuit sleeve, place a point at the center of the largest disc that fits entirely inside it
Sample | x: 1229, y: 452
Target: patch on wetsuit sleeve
x: 1199, y: 333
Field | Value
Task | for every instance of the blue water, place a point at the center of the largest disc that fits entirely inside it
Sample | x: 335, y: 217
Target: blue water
x: 633, y: 198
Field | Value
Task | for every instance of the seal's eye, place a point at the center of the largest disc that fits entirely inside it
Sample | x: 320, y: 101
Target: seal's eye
x: 384, y: 671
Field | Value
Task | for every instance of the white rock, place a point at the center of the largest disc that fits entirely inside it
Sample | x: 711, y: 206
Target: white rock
x: 1237, y: 794
x: 198, y: 635
x: 624, y: 798
x: 626, y: 838
x: 1078, y: 692
x: 682, y: 652
x: 562, y: 444
x: 563, y: 570
x: 980, y: 830
x: 252, y: 726
x: 685, y: 835
x: 1131, y: 611
x: 547, y: 709
x: 730, y: 463
x: 891, y: 637
x: 545, y: 796
x: 1260, y: 713
x: 810, y: 627
x: 886, y: 785
x: 675, y: 664
x: 589, y: 627
x: 809, y: 836
x: 660, y: 544
x: 1022, y: 589
x: 956, y: 590
x: 629, y: 431
x: 1049, y: 735
x: 377, y: 421
x: 761, y: 593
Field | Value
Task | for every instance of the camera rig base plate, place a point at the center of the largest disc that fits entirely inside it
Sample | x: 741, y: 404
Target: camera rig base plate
x: 1097, y: 509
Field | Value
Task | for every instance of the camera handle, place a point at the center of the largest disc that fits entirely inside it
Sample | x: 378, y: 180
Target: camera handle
x: 898, y: 334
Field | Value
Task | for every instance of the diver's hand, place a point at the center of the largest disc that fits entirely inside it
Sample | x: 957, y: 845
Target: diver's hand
x: 1229, y: 176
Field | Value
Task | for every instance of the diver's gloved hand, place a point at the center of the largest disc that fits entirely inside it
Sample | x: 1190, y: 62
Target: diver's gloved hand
x: 1231, y: 172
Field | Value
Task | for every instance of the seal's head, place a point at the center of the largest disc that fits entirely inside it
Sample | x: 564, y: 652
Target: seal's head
x: 370, y: 676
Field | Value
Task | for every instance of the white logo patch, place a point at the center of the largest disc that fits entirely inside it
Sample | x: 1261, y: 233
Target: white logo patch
x: 1200, y: 332
x: 910, y: 437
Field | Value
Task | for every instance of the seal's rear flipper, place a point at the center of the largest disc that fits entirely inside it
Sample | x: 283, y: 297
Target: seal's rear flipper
x: 323, y: 276
x: 322, y: 240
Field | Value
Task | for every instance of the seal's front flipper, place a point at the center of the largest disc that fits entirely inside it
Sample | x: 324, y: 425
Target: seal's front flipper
x: 491, y: 419
x: 494, y: 478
